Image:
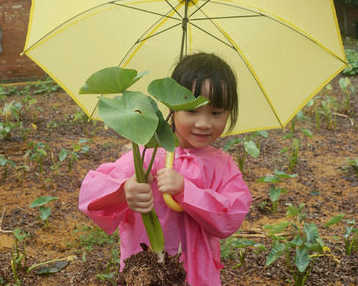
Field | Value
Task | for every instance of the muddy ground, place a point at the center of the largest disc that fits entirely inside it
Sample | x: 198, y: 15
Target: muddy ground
x: 324, y: 183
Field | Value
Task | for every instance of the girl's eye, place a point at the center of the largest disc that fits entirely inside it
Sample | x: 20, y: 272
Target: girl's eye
x: 192, y: 111
x: 217, y: 112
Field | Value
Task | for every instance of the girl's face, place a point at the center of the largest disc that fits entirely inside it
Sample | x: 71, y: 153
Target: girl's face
x: 200, y: 127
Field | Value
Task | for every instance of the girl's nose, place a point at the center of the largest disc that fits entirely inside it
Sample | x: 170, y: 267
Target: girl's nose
x: 203, y: 121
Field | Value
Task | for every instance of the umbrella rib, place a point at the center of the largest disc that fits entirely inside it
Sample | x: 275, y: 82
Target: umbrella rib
x: 281, y: 21
x: 215, y: 37
x: 147, y: 11
x: 250, y: 68
x: 63, y: 23
x: 226, y: 17
x: 174, y: 8
x: 150, y: 30
x: 144, y: 39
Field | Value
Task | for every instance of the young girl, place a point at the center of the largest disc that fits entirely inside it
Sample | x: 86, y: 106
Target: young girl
x: 204, y: 181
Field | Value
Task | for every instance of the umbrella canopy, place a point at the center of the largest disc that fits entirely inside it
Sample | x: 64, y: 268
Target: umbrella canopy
x: 282, y: 51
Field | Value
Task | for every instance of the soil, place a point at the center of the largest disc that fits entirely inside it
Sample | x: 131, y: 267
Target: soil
x: 324, y: 183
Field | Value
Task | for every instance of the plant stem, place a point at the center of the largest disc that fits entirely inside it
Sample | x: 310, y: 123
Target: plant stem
x: 150, y: 220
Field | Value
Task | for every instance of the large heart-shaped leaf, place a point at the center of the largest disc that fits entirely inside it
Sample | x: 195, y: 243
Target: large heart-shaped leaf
x: 131, y: 115
x: 164, y: 136
x: 110, y: 80
x: 302, y: 259
x: 174, y: 95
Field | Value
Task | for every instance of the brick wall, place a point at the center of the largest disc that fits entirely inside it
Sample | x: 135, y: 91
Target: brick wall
x: 347, y: 19
x: 14, y: 16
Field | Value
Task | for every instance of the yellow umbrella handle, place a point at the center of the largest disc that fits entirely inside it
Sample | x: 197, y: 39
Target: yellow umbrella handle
x: 168, y: 199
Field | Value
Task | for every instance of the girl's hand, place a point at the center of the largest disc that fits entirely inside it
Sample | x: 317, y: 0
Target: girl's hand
x: 170, y: 181
x: 139, y: 196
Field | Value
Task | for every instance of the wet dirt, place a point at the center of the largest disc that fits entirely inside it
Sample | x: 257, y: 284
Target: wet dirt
x: 324, y: 183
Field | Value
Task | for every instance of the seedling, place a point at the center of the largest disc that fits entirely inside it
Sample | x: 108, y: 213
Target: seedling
x: 5, y: 162
x: 74, y: 154
x: 19, y: 257
x: 275, y: 192
x: 295, y: 147
x: 137, y: 117
x: 47, y: 86
x: 353, y: 163
x: 110, y: 273
x: 348, y: 90
x: 350, y: 234
x: 352, y: 58
x: 296, y: 237
x: 45, y: 211
x: 249, y: 145
x: 242, y: 245
x: 37, y: 153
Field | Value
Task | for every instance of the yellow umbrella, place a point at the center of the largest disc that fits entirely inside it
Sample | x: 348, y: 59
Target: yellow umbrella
x: 282, y: 51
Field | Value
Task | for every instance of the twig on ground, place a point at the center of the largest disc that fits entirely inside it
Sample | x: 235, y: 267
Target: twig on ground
x: 2, y: 230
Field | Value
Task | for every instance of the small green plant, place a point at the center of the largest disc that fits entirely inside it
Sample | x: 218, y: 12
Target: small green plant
x: 4, y: 163
x: 110, y: 274
x: 350, y: 234
x: 90, y: 236
x: 353, y: 163
x: 275, y: 192
x: 45, y: 211
x: 47, y: 86
x: 37, y: 152
x: 352, y: 58
x: 295, y: 147
x: 299, y: 242
x: 249, y: 145
x: 19, y: 258
x: 74, y: 154
x: 242, y: 245
x: 299, y: 117
x: 348, y: 90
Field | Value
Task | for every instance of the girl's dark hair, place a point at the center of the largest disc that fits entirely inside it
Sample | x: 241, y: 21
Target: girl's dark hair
x: 194, y: 69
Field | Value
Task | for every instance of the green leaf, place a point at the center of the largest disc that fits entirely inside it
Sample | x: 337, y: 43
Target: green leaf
x: 283, y: 150
x: 336, y: 219
x: 164, y: 135
x: 284, y: 175
x: 131, y: 115
x: 297, y: 241
x: 302, y: 259
x: 251, y: 149
x: 277, y: 250
x: 269, y: 179
x: 263, y: 133
x: 63, y: 154
x: 109, y: 80
x: 307, y: 132
x: 292, y: 211
x: 40, y: 201
x: 174, y: 95
x: 312, y: 234
x: 59, y: 265
x: 241, y: 243
x: 45, y: 212
x: 276, y: 228
x: 20, y: 234
x: 275, y: 193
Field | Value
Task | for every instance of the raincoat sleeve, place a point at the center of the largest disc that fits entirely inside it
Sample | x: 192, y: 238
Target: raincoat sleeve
x: 221, y: 209
x: 104, y: 186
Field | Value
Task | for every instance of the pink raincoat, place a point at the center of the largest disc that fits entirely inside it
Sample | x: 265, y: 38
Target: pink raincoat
x: 215, y: 201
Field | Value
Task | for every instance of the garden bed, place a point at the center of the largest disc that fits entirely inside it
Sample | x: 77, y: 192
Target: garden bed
x: 326, y: 183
